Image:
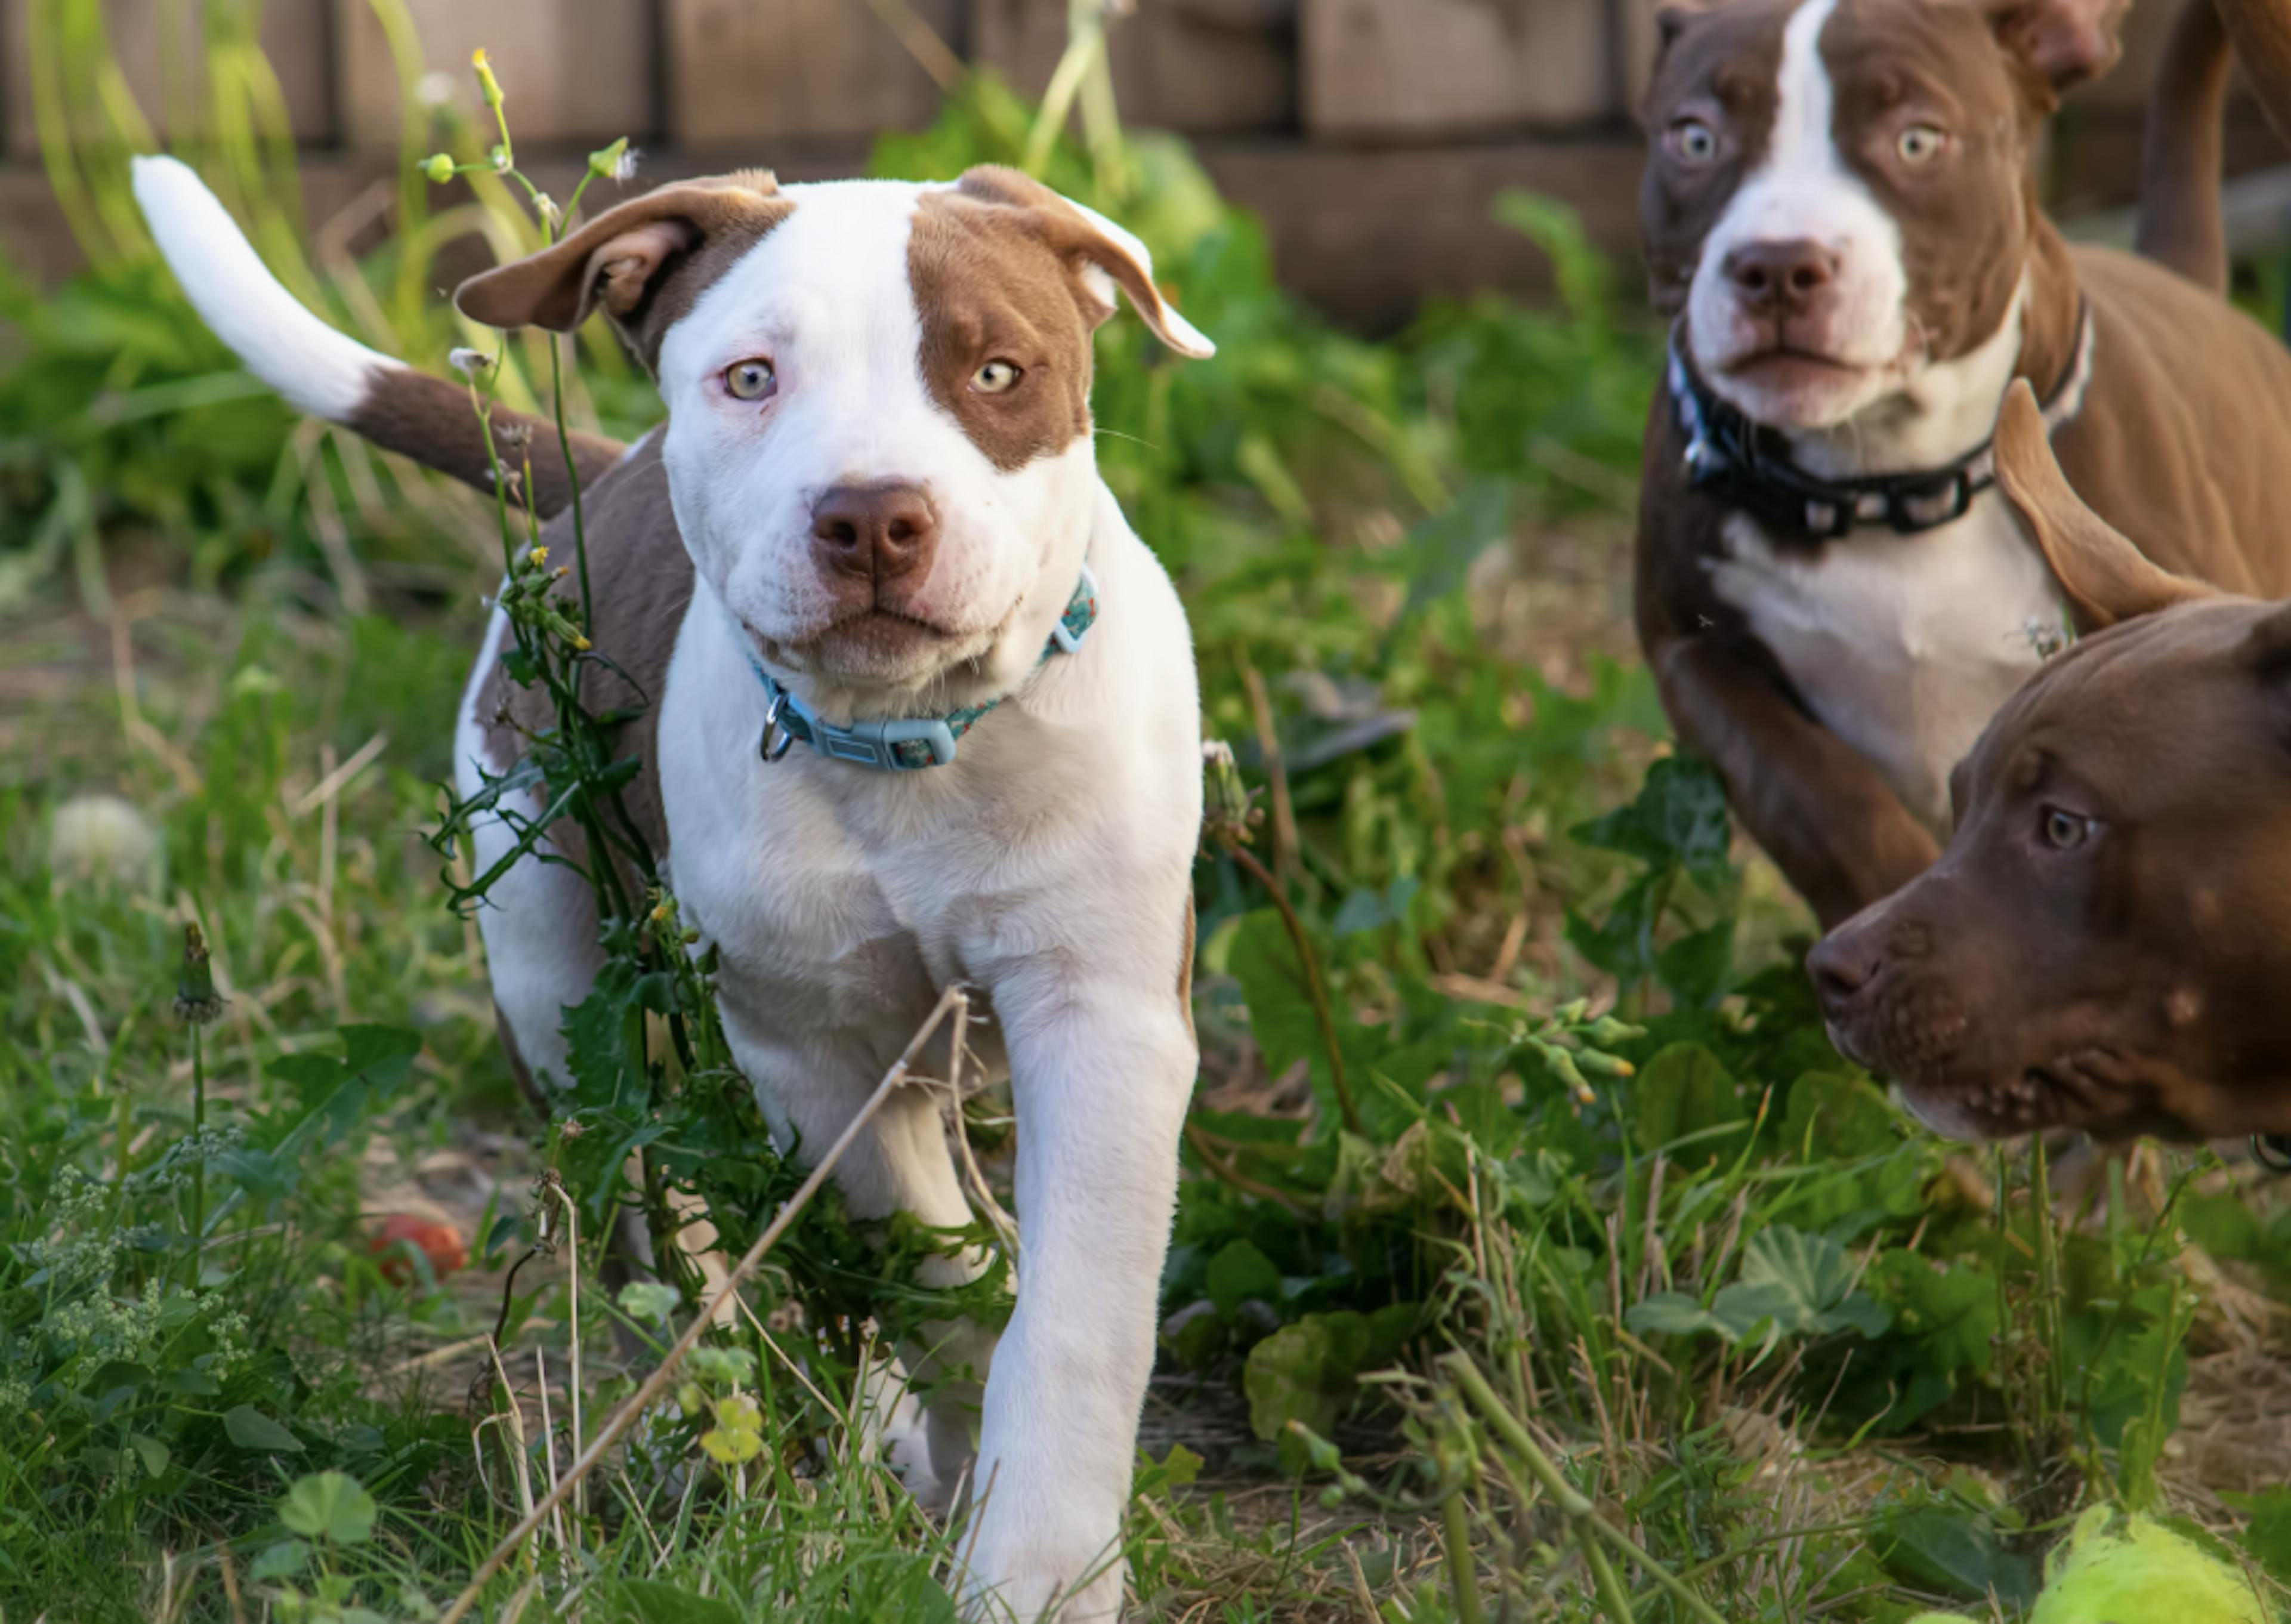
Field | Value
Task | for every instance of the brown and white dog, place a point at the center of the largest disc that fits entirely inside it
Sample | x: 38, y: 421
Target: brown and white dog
x: 1840, y: 212
x: 2106, y: 941
x: 873, y: 511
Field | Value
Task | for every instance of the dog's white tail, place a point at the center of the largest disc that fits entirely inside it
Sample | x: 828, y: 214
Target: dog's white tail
x: 319, y: 371
x: 328, y: 374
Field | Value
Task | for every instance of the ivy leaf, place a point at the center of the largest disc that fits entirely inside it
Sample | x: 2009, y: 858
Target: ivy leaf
x: 1678, y: 816
x: 330, y: 1506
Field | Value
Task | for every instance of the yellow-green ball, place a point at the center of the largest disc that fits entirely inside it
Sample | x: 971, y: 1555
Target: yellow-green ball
x: 2127, y: 1570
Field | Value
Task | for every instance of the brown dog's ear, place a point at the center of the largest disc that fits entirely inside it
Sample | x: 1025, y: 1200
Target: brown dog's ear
x: 2105, y: 578
x: 624, y: 258
x: 1104, y: 256
x: 2261, y: 31
x: 2066, y: 41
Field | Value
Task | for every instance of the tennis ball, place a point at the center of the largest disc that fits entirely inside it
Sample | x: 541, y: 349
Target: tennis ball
x: 2127, y: 1570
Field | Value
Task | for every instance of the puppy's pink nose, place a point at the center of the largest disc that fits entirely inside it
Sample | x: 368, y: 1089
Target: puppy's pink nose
x: 1781, y: 277
x: 875, y: 532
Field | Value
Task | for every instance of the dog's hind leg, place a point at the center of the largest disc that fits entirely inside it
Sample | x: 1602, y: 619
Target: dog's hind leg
x: 900, y: 1163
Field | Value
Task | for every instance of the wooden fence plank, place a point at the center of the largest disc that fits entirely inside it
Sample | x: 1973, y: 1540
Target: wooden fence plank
x: 1202, y: 66
x: 1420, y: 68
x: 152, y: 38
x: 739, y: 70
x: 573, y: 69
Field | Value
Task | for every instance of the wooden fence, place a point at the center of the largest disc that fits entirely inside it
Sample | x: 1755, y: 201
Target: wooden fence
x: 1371, y: 135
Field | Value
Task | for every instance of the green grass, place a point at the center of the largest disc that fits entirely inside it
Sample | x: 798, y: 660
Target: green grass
x: 1624, y: 1289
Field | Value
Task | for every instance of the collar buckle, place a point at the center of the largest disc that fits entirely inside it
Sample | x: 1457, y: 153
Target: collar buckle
x: 771, y: 748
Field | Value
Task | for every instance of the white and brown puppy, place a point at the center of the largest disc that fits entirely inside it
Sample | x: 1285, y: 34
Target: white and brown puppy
x: 875, y: 505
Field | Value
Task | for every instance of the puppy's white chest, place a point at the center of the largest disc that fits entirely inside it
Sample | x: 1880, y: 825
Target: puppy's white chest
x: 1903, y: 645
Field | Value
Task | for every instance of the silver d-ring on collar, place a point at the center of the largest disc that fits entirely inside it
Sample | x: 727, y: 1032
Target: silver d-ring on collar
x: 770, y: 748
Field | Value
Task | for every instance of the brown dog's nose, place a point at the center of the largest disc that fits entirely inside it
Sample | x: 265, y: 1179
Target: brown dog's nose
x: 1841, y: 963
x: 1784, y: 275
x: 875, y: 532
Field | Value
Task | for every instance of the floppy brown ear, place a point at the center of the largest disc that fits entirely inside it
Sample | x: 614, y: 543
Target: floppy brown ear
x: 2105, y: 578
x: 2066, y: 41
x: 2262, y: 32
x: 626, y: 257
x: 1105, y: 255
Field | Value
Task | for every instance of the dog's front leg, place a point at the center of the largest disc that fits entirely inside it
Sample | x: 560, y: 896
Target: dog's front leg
x: 1838, y: 834
x: 1102, y: 1071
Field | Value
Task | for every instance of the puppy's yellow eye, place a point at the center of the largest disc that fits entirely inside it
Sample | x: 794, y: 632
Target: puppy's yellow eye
x: 2065, y: 830
x: 1920, y: 143
x: 1692, y: 142
x: 750, y: 380
x: 995, y: 377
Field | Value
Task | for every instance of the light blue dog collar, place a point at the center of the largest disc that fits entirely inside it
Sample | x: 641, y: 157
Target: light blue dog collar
x: 901, y: 745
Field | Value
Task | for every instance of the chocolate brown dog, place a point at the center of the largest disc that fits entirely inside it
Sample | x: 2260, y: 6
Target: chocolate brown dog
x: 2106, y: 943
x: 1839, y: 209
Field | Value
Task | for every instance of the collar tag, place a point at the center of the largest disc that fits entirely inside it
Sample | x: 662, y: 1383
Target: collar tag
x: 901, y: 745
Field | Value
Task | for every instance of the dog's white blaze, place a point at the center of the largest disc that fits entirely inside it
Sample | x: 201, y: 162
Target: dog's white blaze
x: 318, y: 370
x: 1801, y: 189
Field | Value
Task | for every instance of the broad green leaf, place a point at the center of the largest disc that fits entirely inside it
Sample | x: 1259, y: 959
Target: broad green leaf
x: 1264, y: 960
x: 280, y: 1561
x: 250, y: 1428
x: 154, y: 1454
x: 1957, y: 1554
x: 1685, y: 1089
x: 1840, y: 1118
x: 732, y: 1445
x: 1669, y: 1313
x: 656, y: 1601
x: 330, y: 1506
x: 1310, y: 1371
x: 649, y: 1300
x: 2268, y: 1535
x: 1241, y: 1271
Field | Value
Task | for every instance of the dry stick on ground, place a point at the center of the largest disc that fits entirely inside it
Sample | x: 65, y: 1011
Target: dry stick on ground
x: 655, y: 1384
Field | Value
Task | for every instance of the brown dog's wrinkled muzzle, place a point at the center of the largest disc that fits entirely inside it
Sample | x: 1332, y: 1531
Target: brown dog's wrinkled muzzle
x: 2106, y: 942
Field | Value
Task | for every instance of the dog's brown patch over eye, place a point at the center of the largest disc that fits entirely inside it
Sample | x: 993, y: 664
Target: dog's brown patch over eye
x: 1006, y: 316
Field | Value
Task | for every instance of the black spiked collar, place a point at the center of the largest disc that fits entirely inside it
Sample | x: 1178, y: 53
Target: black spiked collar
x: 1746, y: 465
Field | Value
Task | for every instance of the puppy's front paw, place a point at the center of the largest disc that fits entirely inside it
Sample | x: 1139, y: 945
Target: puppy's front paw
x: 1037, y: 1587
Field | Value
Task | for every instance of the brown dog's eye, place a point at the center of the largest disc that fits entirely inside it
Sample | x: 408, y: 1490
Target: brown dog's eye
x: 2065, y: 830
x: 996, y: 376
x: 1692, y: 142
